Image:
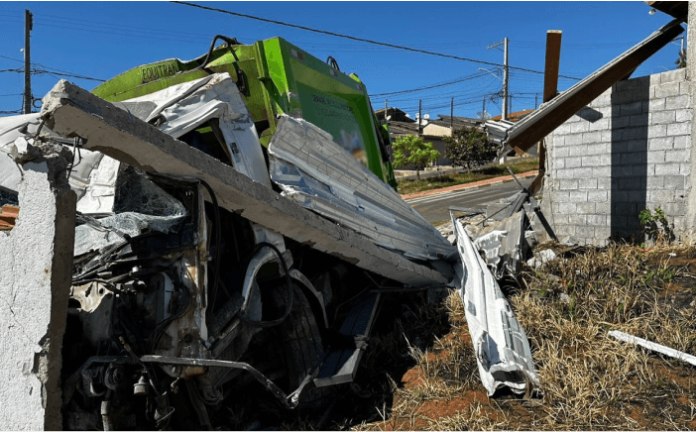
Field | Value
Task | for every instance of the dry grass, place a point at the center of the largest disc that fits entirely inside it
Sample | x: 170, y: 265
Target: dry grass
x: 589, y: 381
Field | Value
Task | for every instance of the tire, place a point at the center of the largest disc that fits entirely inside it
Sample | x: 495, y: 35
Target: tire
x: 302, y: 352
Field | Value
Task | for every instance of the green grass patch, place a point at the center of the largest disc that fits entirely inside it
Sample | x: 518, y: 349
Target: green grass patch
x: 412, y: 186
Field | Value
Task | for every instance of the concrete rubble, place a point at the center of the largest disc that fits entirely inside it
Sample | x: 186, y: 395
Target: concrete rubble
x: 154, y: 260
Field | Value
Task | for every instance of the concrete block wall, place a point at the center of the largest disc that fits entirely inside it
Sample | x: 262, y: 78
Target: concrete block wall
x: 626, y: 151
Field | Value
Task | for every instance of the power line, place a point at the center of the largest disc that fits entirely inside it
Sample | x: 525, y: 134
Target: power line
x: 456, y: 81
x: 401, y: 47
x: 49, y: 71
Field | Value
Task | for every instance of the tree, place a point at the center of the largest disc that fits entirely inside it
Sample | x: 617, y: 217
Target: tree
x: 469, y: 147
x: 411, y: 150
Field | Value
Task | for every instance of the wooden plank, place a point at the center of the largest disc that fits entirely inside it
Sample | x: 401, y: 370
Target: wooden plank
x: 553, y: 61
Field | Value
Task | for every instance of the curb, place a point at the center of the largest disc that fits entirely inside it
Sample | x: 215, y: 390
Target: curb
x: 474, y: 185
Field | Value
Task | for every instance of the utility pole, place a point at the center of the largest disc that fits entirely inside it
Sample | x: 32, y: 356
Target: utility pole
x: 505, y: 75
x: 510, y: 105
x: 483, y: 113
x: 452, y: 114
x: 28, y: 22
x: 420, y: 117
x: 536, y: 100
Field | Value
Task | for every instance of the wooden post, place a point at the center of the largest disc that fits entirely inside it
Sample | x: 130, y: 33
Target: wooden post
x: 553, y: 61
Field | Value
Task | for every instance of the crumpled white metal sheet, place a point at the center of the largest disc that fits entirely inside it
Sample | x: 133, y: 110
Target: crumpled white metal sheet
x: 502, y: 349
x: 185, y: 107
x: 322, y: 176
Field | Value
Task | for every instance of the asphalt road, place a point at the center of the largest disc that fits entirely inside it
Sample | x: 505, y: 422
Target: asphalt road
x: 435, y: 207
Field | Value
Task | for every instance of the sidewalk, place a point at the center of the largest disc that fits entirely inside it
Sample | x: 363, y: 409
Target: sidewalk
x: 477, y: 184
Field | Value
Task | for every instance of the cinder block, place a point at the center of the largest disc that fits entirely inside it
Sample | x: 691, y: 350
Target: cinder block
x: 657, y: 131
x: 573, y: 162
x: 577, y: 196
x: 655, y: 182
x: 620, y: 122
x: 656, y: 104
x: 603, y: 208
x: 567, y: 208
x: 631, y: 108
x: 576, y: 219
x: 603, y: 232
x: 564, y: 174
x: 559, y: 163
x: 603, y: 182
x: 660, y: 143
x: 591, y: 161
x: 682, y: 142
x: 568, y: 184
x: 639, y: 120
x: 573, y: 140
x: 582, y: 173
x: 598, y: 149
x: 579, y: 127
x: 597, y: 220
x: 633, y: 158
x: 599, y: 172
x: 676, y: 156
x: 596, y: 196
x: 611, y: 135
x: 674, y: 75
x: 585, y: 232
x: 683, y: 115
x: 559, y: 219
x: 641, y: 171
x: 676, y: 102
x: 564, y: 230
x: 560, y: 152
x: 600, y: 125
x: 585, y: 208
x: 592, y: 137
x: 656, y: 156
x: 661, y: 196
x: 588, y: 183
x: 661, y: 117
x: 560, y: 196
x: 675, y: 209
x: 621, y: 171
x: 625, y: 209
x: 678, y: 129
x: 685, y: 87
x: 631, y: 183
x: 667, y: 90
x: 667, y: 169
x: 685, y: 168
x: 578, y: 150
x: 635, y: 133
x: 650, y: 169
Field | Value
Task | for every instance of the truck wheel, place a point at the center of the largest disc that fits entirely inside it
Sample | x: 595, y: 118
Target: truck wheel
x: 302, y: 351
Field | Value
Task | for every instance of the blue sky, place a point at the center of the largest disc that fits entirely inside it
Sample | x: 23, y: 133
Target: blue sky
x: 103, y: 39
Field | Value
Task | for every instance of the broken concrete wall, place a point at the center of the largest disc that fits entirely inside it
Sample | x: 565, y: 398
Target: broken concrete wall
x: 35, y: 269
x: 626, y: 151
